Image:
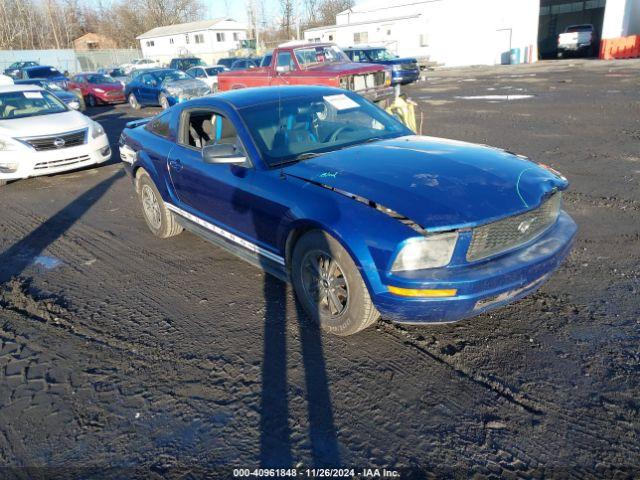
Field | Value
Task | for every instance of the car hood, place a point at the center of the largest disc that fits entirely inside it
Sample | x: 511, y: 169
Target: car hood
x: 439, y: 184
x: 398, y: 61
x: 42, y: 125
x: 107, y: 87
x: 186, y: 84
x: 345, y: 68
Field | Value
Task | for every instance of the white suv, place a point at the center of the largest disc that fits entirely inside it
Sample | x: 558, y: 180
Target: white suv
x: 40, y: 135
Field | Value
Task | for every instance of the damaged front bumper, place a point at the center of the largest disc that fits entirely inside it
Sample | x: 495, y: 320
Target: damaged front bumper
x: 483, y: 286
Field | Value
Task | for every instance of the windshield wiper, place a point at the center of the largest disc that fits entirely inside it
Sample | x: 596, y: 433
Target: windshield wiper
x: 306, y: 156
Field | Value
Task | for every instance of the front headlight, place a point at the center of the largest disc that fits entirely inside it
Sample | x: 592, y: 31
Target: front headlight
x: 396, y: 68
x: 96, y: 130
x: 174, y: 91
x: 426, y: 252
x: 99, y: 90
x: 7, y: 145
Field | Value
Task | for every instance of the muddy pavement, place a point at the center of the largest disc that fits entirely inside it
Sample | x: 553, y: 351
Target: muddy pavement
x: 123, y: 355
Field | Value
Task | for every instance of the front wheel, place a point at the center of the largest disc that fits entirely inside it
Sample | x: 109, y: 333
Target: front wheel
x: 160, y: 220
x: 91, y: 101
x: 329, y: 286
x: 164, y: 101
x: 133, y: 101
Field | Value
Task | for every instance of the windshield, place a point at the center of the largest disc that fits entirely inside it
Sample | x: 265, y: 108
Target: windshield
x: 213, y: 71
x: 117, y: 72
x: 43, y: 72
x: 29, y: 104
x: 100, y: 79
x: 51, y: 86
x: 379, y: 54
x: 311, y: 56
x: 171, y: 75
x: 288, y: 130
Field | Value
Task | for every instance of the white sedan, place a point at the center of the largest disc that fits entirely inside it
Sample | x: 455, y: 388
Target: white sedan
x: 208, y: 75
x: 40, y: 135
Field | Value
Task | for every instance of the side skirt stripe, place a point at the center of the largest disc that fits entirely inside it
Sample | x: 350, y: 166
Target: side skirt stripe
x: 226, y: 234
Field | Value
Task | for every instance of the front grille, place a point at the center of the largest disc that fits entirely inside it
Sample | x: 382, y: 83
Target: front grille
x: 410, y: 66
x: 54, y: 142
x: 65, y: 162
x: 368, y: 80
x: 503, y: 235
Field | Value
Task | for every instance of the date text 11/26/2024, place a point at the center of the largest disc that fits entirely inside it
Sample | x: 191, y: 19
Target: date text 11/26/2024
x: 316, y: 473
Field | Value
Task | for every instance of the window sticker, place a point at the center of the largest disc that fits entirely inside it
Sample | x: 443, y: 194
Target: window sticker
x: 341, y: 102
x: 32, y: 94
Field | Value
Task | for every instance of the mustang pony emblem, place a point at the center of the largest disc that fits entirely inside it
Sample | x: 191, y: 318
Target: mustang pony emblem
x: 525, y: 225
x: 328, y: 174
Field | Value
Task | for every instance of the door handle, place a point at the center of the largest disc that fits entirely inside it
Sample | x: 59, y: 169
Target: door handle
x: 175, y: 164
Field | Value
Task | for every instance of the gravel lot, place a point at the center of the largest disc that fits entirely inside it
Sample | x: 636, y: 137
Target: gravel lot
x: 123, y: 355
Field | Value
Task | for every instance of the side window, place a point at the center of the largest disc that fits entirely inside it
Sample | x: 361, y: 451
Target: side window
x: 285, y: 61
x: 202, y: 128
x: 159, y: 125
x: 148, y: 80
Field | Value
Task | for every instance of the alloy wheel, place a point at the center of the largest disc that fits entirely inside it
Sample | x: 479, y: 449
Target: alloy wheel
x: 151, y: 207
x: 324, y: 283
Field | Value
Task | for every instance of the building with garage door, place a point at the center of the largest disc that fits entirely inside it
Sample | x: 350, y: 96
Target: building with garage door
x: 472, y: 32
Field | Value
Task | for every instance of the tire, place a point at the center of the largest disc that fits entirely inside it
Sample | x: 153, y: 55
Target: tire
x: 133, y: 101
x: 355, y: 310
x: 91, y: 101
x: 160, y: 220
x: 163, y: 101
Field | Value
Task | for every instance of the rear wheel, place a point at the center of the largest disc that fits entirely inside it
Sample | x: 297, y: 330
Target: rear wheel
x: 160, y: 220
x: 329, y: 286
x: 164, y: 101
x: 133, y: 101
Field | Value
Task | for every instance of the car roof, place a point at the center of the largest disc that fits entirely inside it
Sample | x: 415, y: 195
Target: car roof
x: 246, y: 97
x: 364, y: 47
x: 34, y: 67
x: 20, y: 88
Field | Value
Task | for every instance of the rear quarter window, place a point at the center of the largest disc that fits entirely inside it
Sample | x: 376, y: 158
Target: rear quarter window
x: 159, y: 125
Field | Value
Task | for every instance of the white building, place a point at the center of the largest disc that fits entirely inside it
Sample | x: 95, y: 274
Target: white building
x: 206, y: 39
x: 469, y: 32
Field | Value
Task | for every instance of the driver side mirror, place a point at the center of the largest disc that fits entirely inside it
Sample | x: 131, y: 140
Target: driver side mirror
x: 283, y: 68
x: 224, y: 153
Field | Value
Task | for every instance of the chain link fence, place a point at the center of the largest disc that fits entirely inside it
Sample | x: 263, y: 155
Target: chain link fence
x: 70, y: 60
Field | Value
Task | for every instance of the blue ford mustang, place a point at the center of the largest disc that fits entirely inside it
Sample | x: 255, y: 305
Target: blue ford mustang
x: 321, y: 187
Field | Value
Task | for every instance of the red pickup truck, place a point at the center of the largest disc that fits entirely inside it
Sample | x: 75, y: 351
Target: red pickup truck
x: 313, y: 64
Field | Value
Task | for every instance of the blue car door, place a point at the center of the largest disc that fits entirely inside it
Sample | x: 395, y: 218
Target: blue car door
x: 235, y: 198
x: 148, y: 89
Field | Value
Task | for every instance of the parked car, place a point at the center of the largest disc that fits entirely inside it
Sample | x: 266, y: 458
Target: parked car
x: 185, y: 63
x: 208, y: 75
x: 43, y: 71
x: 14, y: 69
x: 71, y: 99
x: 164, y: 87
x: 313, y: 64
x: 40, y: 135
x: 265, y: 61
x: 403, y: 70
x: 243, y: 64
x: 98, y: 89
x: 116, y: 73
x: 320, y: 187
x: 140, y: 64
x: 227, y: 62
x: 578, y: 40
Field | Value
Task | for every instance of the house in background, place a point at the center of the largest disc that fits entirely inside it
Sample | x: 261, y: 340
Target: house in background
x: 206, y: 39
x: 93, y: 41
